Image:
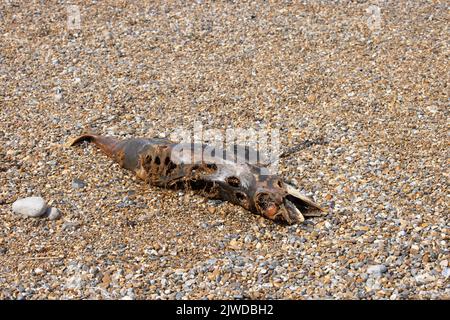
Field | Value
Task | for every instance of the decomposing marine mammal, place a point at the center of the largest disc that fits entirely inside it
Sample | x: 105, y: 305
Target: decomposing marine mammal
x: 166, y: 164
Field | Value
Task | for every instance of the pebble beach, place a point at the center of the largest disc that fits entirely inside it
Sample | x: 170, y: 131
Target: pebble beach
x: 365, y: 81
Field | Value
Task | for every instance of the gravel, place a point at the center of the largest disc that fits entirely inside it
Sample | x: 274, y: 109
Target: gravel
x: 374, y: 92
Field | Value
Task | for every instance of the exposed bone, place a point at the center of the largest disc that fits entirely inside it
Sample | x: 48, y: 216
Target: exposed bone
x: 293, y: 210
x: 309, y: 213
x: 163, y: 163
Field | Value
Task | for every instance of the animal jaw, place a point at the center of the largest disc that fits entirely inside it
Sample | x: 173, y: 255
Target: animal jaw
x: 166, y: 164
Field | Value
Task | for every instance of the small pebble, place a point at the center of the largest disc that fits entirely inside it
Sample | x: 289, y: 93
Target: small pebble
x: 67, y: 225
x: 424, y: 278
x: 179, y: 296
x: 376, y: 269
x: 78, y: 184
x: 52, y: 213
x: 414, y: 249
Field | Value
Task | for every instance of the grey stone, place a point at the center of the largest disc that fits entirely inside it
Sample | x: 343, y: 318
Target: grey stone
x: 179, y: 296
x: 78, y: 184
x: 67, y: 225
x: 74, y: 282
x: 52, y: 213
x: 377, y: 269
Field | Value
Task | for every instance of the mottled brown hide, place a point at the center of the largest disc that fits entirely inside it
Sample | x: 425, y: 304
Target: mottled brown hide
x: 159, y: 162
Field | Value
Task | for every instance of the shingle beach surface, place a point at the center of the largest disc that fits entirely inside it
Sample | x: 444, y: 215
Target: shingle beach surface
x: 367, y: 79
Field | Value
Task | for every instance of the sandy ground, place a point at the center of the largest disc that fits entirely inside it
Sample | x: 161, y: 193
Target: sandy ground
x: 373, y: 87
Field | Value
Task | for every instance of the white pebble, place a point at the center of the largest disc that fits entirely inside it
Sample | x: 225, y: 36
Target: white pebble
x: 424, y: 278
x: 377, y: 269
x: 38, y: 271
x: 30, y: 207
